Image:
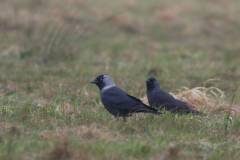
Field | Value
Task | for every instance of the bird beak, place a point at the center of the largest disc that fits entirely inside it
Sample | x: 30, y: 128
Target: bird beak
x: 148, y: 81
x: 94, y: 81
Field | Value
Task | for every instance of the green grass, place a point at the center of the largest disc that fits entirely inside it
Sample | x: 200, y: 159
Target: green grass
x: 51, y: 50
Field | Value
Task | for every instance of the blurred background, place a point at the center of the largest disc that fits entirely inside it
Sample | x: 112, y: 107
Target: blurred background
x: 50, y: 50
x: 57, y: 47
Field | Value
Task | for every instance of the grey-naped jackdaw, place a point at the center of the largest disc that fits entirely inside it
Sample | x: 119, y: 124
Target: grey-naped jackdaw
x: 159, y: 98
x: 118, y: 102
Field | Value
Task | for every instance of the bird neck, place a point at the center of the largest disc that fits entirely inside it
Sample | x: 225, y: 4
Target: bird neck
x: 104, y: 88
x: 153, y: 88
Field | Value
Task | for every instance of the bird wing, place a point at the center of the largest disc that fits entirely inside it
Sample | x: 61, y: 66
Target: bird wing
x: 163, y: 96
x: 168, y: 100
x: 119, y: 99
x: 165, y: 99
x: 173, y: 103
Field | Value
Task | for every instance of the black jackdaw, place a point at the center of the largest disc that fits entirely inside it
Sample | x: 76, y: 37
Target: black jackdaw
x: 118, y: 102
x: 159, y: 98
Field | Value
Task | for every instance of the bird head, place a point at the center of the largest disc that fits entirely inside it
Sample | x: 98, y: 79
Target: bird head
x: 103, y: 81
x: 152, y: 83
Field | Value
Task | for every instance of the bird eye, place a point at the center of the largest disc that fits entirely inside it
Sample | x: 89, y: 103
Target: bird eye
x: 101, y: 79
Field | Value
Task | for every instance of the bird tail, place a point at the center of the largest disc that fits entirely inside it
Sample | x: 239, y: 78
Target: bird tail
x: 153, y: 112
x: 146, y: 109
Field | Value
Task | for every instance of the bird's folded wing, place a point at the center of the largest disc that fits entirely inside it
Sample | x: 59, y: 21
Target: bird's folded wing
x: 176, y: 104
x: 118, y: 98
x: 162, y: 96
x: 134, y: 98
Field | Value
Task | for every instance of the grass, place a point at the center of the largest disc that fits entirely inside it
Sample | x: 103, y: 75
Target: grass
x: 51, y: 50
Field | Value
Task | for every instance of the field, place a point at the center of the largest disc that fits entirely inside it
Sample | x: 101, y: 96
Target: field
x: 51, y: 50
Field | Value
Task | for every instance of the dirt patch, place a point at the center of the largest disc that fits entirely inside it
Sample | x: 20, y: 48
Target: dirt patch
x: 171, y: 153
x: 84, y: 132
x: 10, y: 129
x: 63, y: 151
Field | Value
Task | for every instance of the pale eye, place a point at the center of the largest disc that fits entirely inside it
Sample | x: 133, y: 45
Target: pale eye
x: 101, y: 79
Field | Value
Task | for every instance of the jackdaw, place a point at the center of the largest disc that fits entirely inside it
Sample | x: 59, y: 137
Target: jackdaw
x: 118, y: 102
x: 159, y: 98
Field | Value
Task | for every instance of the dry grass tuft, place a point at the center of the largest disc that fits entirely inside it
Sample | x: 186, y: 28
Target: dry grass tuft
x: 124, y: 21
x: 46, y: 134
x: 84, y: 132
x: 10, y: 129
x: 165, y: 15
x: 66, y: 108
x: 88, y: 133
x: 60, y: 151
x: 81, y: 155
x: 170, y: 153
x: 209, y: 99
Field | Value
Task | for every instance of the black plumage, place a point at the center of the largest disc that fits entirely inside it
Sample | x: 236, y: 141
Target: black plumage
x: 159, y: 98
x: 118, y: 102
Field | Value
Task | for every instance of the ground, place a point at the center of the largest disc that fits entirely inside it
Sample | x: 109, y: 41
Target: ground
x: 51, y: 50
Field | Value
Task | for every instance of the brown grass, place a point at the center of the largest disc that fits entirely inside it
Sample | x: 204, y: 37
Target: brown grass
x: 124, y: 21
x: 10, y: 129
x: 171, y: 153
x: 84, y: 132
x: 62, y: 151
